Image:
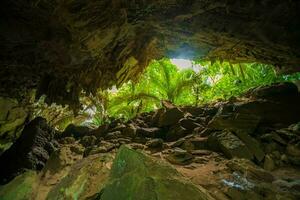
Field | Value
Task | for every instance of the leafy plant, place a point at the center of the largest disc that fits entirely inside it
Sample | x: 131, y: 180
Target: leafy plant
x: 164, y: 81
x: 57, y: 116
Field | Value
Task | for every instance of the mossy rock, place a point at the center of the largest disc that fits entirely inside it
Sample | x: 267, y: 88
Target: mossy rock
x: 84, y: 179
x: 20, y: 188
x: 135, y: 176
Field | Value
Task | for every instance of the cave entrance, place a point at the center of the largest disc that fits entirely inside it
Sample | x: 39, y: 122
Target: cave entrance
x: 181, y: 82
x: 184, y: 82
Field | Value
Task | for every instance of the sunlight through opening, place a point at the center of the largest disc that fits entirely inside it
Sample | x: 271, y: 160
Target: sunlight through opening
x: 183, y: 64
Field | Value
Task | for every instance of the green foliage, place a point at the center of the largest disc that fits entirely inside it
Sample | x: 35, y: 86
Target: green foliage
x: 96, y: 107
x: 225, y: 80
x: 57, y: 116
x: 130, y: 100
x: 215, y: 81
x: 167, y: 82
x: 164, y: 81
x: 222, y: 81
x: 161, y: 81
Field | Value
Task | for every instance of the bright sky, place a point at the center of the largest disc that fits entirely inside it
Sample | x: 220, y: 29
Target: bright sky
x: 185, y: 64
x: 182, y: 63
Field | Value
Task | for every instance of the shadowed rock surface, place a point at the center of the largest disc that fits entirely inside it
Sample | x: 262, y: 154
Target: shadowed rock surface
x: 61, y: 47
x: 31, y: 150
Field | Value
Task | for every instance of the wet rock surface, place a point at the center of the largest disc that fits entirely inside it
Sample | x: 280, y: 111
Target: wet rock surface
x: 222, y: 151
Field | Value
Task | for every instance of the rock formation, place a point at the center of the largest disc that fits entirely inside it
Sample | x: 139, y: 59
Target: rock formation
x: 229, y: 150
x: 62, y: 47
x: 245, y: 148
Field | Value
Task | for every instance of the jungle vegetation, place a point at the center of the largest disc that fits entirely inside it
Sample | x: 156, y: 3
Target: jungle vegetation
x: 205, y: 83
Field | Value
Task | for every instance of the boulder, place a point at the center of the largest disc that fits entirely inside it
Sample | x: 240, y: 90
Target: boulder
x: 77, y: 149
x: 206, y: 132
x: 288, y: 135
x: 137, y: 146
x: 269, y: 147
x: 234, y: 121
x: 30, y: 151
x: 229, y: 144
x: 146, y: 118
x: 149, y: 132
x: 189, y: 124
x: 154, y: 121
x: 250, y: 170
x: 177, y: 143
x: 277, y: 104
x: 198, y: 130
x: 87, y: 141
x: 123, y: 140
x: 201, y: 152
x: 195, y: 111
x: 57, y: 168
x: 113, y: 135
x: 170, y: 117
x: 100, y: 132
x: 129, y: 131
x: 273, y: 136
x: 141, y: 140
x: 210, y: 112
x: 155, y: 143
x: 180, y: 157
x: 282, y: 112
x: 67, y: 140
x: 274, y: 92
x: 84, y: 179
x: 252, y: 144
x: 195, y: 143
x: 103, y: 147
x: 75, y: 131
x: 176, y: 132
x: 137, y: 176
x: 140, y: 122
x: 119, y: 127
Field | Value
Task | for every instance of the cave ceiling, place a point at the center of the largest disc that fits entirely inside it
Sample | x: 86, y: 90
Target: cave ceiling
x: 64, y: 47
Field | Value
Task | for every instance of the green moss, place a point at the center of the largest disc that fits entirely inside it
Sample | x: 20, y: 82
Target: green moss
x: 21, y: 188
x: 135, y: 176
x: 85, y: 179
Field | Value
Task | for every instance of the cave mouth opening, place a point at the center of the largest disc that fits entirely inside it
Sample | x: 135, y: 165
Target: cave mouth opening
x: 179, y: 81
x: 77, y: 47
x: 187, y: 82
x: 183, y: 64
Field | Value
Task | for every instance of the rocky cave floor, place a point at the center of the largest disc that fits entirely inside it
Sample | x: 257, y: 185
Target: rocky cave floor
x: 244, y: 148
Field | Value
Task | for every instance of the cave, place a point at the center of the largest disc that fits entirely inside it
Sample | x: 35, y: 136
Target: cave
x: 64, y: 60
